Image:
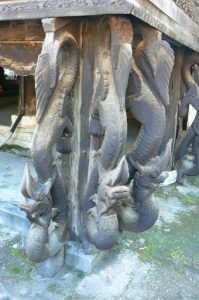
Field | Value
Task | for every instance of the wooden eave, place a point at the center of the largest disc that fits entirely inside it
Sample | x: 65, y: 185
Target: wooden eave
x: 164, y: 15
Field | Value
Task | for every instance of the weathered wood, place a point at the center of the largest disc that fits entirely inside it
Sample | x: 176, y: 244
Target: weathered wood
x: 30, y: 100
x: 20, y: 56
x: 172, y: 109
x: 173, y: 22
x: 24, y: 9
x: 21, y: 31
x: 165, y: 16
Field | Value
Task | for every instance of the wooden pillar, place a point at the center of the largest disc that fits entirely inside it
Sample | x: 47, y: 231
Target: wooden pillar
x: 30, y: 97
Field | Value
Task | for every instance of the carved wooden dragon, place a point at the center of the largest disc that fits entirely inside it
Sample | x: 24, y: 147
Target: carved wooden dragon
x: 147, y: 96
x: 108, y: 123
x: 191, y: 135
x: 54, y: 79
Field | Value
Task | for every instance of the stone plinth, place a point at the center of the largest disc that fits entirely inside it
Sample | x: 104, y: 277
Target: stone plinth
x: 75, y: 257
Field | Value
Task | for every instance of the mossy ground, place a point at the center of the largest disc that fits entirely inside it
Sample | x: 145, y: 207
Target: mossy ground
x: 174, y: 245
x: 166, y: 253
x: 55, y: 288
x: 15, y: 262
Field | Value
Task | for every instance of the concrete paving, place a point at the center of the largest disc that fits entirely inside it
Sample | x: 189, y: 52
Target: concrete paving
x: 161, y: 263
x: 11, y: 170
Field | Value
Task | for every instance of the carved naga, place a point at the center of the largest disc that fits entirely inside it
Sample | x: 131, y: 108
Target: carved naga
x: 54, y: 79
x: 190, y: 74
x: 108, y: 128
x: 141, y: 213
x: 147, y: 97
x: 110, y: 203
x: 148, y: 93
x: 118, y: 194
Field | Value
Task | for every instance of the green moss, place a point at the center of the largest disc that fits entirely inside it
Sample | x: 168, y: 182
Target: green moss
x: 74, y: 296
x: 54, y: 288
x: 23, y: 267
x: 23, y: 272
x: 171, y: 245
x: 189, y: 199
x: 15, y: 240
x: 172, y: 191
x: 30, y: 267
x: 15, y: 270
x: 18, y: 253
x: 8, y: 147
x: 192, y: 180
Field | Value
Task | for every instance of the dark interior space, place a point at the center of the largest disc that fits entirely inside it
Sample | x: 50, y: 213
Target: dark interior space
x: 9, y: 94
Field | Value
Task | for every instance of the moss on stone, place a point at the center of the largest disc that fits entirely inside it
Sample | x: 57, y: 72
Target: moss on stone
x: 54, y: 288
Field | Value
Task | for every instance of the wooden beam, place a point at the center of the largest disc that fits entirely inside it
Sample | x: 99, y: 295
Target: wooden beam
x: 21, y: 56
x: 21, y: 31
x: 34, y: 9
x: 166, y: 17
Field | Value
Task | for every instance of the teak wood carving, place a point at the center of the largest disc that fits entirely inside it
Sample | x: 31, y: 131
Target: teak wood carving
x: 189, y: 137
x: 88, y: 74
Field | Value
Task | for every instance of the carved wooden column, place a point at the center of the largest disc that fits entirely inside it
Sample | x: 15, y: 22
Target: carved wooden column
x: 55, y: 74
x: 188, y: 140
x: 85, y: 190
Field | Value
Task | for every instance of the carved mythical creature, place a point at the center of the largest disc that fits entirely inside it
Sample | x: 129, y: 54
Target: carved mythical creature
x: 148, y: 93
x: 111, y: 204
x: 54, y: 79
x: 108, y: 132
x: 147, y: 96
x: 191, y: 135
x: 142, y: 212
x: 114, y: 200
x: 38, y: 207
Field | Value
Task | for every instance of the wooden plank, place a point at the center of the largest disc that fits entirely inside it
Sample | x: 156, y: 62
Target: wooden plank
x: 165, y: 16
x: 34, y: 9
x: 20, y: 56
x: 170, y: 8
x: 21, y: 31
x: 176, y: 25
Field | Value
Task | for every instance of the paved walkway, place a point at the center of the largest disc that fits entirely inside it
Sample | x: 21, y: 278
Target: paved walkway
x: 11, y: 171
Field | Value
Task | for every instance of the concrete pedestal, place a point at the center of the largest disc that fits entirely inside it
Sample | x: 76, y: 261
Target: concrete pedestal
x: 75, y: 257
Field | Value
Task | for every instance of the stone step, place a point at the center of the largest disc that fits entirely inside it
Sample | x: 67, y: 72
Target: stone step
x: 23, y: 134
x: 12, y: 217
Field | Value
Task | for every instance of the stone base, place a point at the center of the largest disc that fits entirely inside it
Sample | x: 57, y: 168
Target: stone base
x: 75, y: 257
x: 52, y: 265
x: 12, y: 217
x: 23, y: 134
